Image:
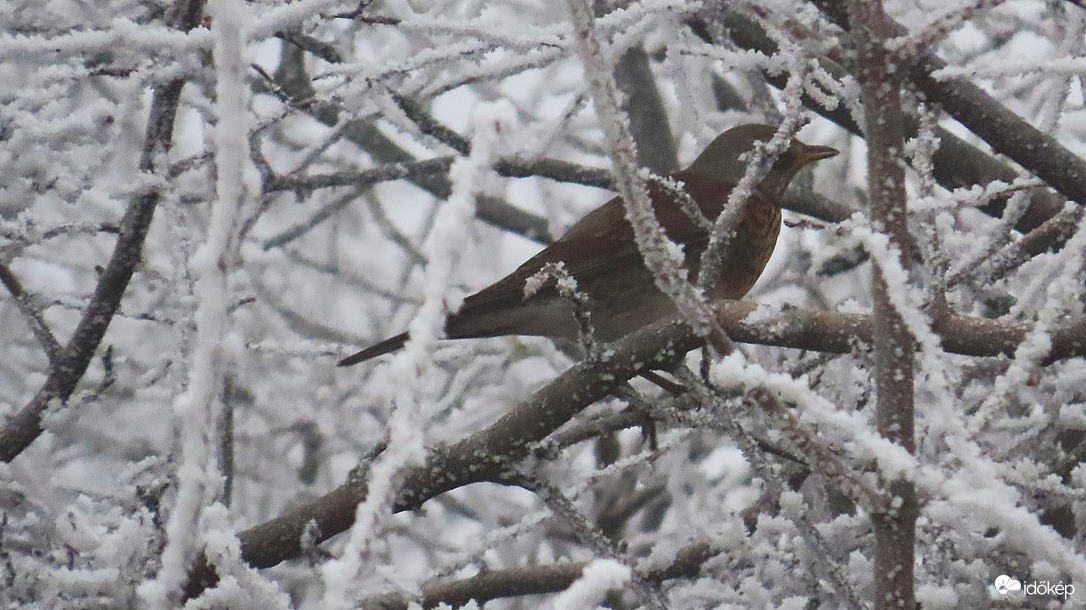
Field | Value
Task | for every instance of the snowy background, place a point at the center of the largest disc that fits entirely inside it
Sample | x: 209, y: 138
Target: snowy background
x: 319, y: 195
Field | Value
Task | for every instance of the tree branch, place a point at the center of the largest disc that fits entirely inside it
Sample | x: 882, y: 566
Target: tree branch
x: 66, y: 370
x: 880, y: 92
x: 33, y: 316
x: 366, y: 135
x: 956, y: 163
x: 1007, y: 133
x: 648, y: 114
x: 534, y: 580
x: 490, y: 455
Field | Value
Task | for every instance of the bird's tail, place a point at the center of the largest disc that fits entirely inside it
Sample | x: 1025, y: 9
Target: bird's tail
x: 388, y: 345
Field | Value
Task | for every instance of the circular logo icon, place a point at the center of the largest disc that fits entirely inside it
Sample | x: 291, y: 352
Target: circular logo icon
x: 1006, y: 585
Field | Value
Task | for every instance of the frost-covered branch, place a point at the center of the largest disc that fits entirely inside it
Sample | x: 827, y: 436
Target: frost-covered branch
x: 759, y: 164
x: 489, y: 454
x: 554, y: 169
x: 443, y: 249
x: 593, y: 538
x: 537, y: 580
x: 940, y: 27
x: 67, y: 370
x: 578, y: 300
x: 879, y: 73
x: 384, y: 150
x: 956, y: 163
x: 31, y: 312
x: 1006, y: 132
x: 200, y: 408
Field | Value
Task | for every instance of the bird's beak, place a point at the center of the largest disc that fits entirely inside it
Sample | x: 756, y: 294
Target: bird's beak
x: 810, y: 154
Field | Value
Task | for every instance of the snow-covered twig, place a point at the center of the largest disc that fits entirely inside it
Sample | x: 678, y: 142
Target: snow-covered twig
x: 199, y: 409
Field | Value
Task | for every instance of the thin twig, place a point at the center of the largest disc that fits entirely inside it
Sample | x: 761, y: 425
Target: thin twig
x: 30, y: 311
x: 69, y: 367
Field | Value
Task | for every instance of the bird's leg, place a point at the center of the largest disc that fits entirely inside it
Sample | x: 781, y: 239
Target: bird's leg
x: 639, y: 406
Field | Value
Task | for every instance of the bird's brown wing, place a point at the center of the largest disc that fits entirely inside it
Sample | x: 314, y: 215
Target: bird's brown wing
x: 595, y: 245
x: 585, y: 249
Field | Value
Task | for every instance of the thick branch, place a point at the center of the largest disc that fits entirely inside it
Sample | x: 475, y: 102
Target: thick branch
x: 1002, y: 129
x: 957, y: 164
x: 489, y: 455
x: 880, y: 88
x: 647, y: 111
x: 534, y: 580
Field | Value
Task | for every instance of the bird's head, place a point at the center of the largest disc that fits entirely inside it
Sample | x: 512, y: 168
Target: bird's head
x: 724, y: 158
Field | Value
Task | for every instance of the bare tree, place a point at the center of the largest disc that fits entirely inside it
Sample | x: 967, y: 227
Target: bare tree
x: 206, y: 205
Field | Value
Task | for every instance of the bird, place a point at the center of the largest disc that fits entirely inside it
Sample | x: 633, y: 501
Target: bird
x: 600, y: 253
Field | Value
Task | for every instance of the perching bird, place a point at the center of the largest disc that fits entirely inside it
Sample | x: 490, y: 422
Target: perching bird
x: 600, y: 253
